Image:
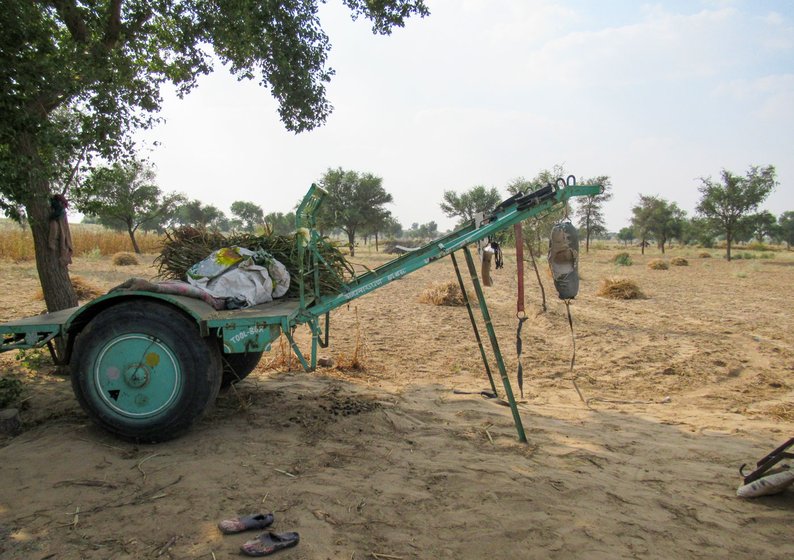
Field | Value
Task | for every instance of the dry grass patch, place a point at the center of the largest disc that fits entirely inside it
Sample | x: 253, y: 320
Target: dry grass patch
x: 705, y: 255
x: 679, y: 261
x: 445, y: 293
x: 658, y: 264
x: 619, y: 288
x: 783, y: 411
x: 125, y: 259
x: 82, y: 287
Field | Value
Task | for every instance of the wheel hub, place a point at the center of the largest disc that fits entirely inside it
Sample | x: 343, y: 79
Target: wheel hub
x: 137, y: 376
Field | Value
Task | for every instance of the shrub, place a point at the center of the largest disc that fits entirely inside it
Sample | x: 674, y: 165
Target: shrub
x: 658, y: 264
x: 679, y: 261
x: 619, y: 288
x: 125, y: 259
x: 705, y: 255
x: 10, y: 391
x: 623, y: 259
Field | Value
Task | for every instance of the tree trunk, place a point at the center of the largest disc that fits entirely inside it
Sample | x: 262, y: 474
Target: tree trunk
x: 134, y: 242
x: 376, y: 241
x: 53, y: 273
x: 642, y: 246
x: 728, y: 242
x: 587, y: 236
x: 351, y: 242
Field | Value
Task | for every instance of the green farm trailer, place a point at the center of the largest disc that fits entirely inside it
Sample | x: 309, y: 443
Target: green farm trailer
x: 145, y: 366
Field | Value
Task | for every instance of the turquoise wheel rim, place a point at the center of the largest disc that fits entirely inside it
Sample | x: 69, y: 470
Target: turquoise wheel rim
x: 137, y: 376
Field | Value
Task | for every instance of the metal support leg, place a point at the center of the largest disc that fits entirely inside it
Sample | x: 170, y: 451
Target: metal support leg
x: 495, y: 344
x: 474, y: 324
x: 285, y: 328
x: 315, y: 328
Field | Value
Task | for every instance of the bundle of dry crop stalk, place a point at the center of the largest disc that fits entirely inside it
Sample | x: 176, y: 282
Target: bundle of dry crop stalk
x: 185, y: 246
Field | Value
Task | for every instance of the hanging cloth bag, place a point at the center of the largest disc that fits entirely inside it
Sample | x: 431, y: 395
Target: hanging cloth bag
x: 564, y: 259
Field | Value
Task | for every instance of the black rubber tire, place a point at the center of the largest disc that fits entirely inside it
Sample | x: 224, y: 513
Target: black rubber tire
x: 236, y: 367
x: 195, y: 367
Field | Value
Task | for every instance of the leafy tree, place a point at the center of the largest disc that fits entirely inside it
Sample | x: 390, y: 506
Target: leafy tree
x: 354, y: 202
x: 125, y: 196
x: 423, y: 231
x: 763, y: 224
x: 786, y: 223
x: 249, y: 214
x: 537, y: 228
x: 656, y: 218
x: 466, y: 205
x: 280, y: 223
x: 697, y: 230
x: 626, y: 235
x: 392, y: 228
x: 195, y: 213
x: 590, y: 210
x: 101, y: 65
x: 377, y: 224
x: 726, y: 203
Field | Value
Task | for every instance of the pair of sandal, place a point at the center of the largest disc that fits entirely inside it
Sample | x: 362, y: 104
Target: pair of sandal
x: 264, y: 544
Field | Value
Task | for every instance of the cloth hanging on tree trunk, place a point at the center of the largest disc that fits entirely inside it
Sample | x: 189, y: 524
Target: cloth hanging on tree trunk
x: 60, y: 238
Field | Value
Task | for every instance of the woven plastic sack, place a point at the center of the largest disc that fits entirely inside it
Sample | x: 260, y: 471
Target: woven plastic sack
x: 772, y: 483
x: 564, y: 259
x: 240, y: 276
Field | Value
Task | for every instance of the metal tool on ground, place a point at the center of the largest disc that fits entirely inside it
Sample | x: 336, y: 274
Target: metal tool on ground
x: 767, y: 462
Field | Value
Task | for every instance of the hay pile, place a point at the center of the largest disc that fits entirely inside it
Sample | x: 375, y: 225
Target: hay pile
x: 658, y: 264
x: 445, y: 293
x: 679, y: 261
x: 125, y: 259
x: 619, y: 288
x: 84, y: 289
x: 704, y: 255
x: 186, y: 246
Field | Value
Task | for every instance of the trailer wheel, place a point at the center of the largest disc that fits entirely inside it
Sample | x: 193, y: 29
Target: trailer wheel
x: 236, y: 367
x: 141, y: 370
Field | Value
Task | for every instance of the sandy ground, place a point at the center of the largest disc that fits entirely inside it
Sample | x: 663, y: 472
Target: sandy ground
x: 683, y: 387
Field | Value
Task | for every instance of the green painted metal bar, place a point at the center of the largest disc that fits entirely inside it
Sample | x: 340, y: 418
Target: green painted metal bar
x: 315, y: 328
x: 495, y: 344
x: 499, y: 220
x: 288, y: 333
x: 474, y: 324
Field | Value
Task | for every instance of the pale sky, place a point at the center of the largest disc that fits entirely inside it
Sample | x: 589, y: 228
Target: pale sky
x: 655, y: 95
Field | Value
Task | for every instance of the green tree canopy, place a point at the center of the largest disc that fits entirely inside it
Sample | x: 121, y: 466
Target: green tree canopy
x: 249, y: 214
x: 465, y: 205
x: 658, y: 219
x: 196, y: 213
x: 763, y: 224
x: 727, y: 203
x: 125, y: 196
x: 354, y: 202
x: 537, y: 228
x: 76, y: 77
x: 590, y: 210
x: 786, y: 223
x: 626, y: 235
x: 280, y: 223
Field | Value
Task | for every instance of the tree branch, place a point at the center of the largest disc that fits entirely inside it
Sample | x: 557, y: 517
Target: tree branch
x: 72, y: 18
x: 113, y: 29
